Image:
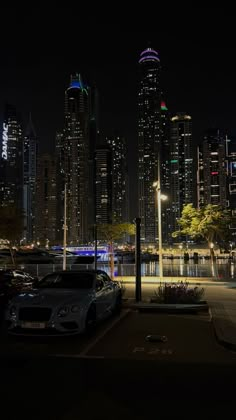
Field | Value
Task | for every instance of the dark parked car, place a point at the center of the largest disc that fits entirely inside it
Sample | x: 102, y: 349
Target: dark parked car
x: 13, y: 281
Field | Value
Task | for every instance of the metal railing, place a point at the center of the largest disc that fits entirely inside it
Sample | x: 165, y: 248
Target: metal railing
x: 151, y: 269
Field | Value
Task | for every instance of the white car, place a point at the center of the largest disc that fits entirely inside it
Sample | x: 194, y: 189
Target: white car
x: 65, y: 302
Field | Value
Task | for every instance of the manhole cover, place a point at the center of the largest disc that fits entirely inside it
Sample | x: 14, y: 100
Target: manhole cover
x: 154, y: 338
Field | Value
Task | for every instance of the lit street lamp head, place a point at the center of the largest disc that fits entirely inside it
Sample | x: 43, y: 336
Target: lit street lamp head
x: 164, y: 197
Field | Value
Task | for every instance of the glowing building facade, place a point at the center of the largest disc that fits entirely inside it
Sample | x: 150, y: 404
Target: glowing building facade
x: 149, y: 138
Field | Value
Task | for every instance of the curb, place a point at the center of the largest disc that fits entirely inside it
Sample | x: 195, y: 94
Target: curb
x: 224, y: 328
x: 167, y: 308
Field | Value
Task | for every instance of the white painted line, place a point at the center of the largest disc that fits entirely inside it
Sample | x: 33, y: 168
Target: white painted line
x: 153, y: 351
x: 77, y: 356
x: 97, y: 339
x: 138, y: 349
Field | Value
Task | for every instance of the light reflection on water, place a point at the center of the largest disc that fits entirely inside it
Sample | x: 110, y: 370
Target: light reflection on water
x: 178, y: 268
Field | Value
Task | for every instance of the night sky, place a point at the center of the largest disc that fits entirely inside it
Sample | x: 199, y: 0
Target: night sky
x: 41, y: 48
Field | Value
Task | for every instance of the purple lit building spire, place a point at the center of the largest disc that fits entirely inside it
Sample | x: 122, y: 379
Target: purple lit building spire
x: 148, y: 55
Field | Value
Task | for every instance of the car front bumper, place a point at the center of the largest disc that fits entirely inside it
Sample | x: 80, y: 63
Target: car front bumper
x: 49, y: 328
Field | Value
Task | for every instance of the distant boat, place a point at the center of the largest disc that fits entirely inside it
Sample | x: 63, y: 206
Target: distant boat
x: 88, y: 251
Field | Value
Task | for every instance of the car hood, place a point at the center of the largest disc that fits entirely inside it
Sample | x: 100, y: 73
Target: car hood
x: 52, y: 297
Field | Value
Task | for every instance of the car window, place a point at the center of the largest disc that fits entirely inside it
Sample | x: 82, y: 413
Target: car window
x: 105, y: 278
x: 99, y: 284
x: 67, y: 281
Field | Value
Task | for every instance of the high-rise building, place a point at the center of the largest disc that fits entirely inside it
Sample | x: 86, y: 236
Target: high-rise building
x: 103, y: 184
x: 60, y: 165
x: 76, y: 159
x: 200, y: 177
x: 93, y: 143
x: 165, y: 172
x: 30, y: 172
x: 181, y: 166
x: 231, y: 181
x: 120, y: 181
x: 211, y: 172
x: 149, y: 137
x: 46, y: 201
x: 11, y: 156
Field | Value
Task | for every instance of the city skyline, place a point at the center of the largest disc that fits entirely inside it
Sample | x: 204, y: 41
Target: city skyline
x: 194, y: 67
x: 197, y: 73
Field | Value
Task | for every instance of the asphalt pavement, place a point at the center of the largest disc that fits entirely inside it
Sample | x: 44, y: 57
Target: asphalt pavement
x: 118, y: 371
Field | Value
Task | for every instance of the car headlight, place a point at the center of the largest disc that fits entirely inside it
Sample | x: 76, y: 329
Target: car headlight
x: 63, y: 311
x: 75, y: 308
x: 12, y: 310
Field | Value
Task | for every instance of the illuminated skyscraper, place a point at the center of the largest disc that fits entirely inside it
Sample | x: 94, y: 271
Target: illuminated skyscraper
x: 231, y: 181
x: 103, y: 184
x: 30, y: 173
x: 120, y: 181
x: 212, y: 171
x: 149, y: 137
x: 181, y: 166
x: 46, y: 201
x: 11, y: 165
x: 165, y: 172
x: 76, y: 158
x: 59, y: 155
x: 93, y: 143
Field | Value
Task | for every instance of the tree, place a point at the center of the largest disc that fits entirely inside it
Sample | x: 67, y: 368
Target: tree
x: 210, y: 222
x: 11, y: 226
x: 111, y: 233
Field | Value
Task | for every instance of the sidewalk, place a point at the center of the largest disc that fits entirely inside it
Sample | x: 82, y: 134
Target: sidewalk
x: 220, y: 296
x: 204, y: 281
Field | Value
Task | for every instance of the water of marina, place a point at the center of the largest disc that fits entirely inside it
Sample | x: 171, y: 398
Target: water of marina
x: 220, y: 269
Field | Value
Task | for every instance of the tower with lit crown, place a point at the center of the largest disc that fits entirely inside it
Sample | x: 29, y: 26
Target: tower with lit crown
x: 76, y: 158
x: 149, y: 138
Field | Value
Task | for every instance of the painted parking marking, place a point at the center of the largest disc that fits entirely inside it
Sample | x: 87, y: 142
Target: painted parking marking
x: 153, y: 351
x: 100, y: 336
x: 77, y: 356
x: 157, y: 351
x: 138, y: 349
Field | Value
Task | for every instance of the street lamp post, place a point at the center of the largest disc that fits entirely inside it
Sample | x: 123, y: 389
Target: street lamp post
x: 212, y: 251
x: 160, y: 197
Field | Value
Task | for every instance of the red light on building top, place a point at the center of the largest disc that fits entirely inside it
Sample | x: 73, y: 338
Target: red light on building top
x: 215, y: 173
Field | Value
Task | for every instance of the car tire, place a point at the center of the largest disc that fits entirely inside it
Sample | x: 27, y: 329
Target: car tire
x: 118, y: 305
x: 90, y: 323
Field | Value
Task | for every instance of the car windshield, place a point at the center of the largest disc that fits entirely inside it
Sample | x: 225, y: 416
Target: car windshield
x: 67, y: 281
